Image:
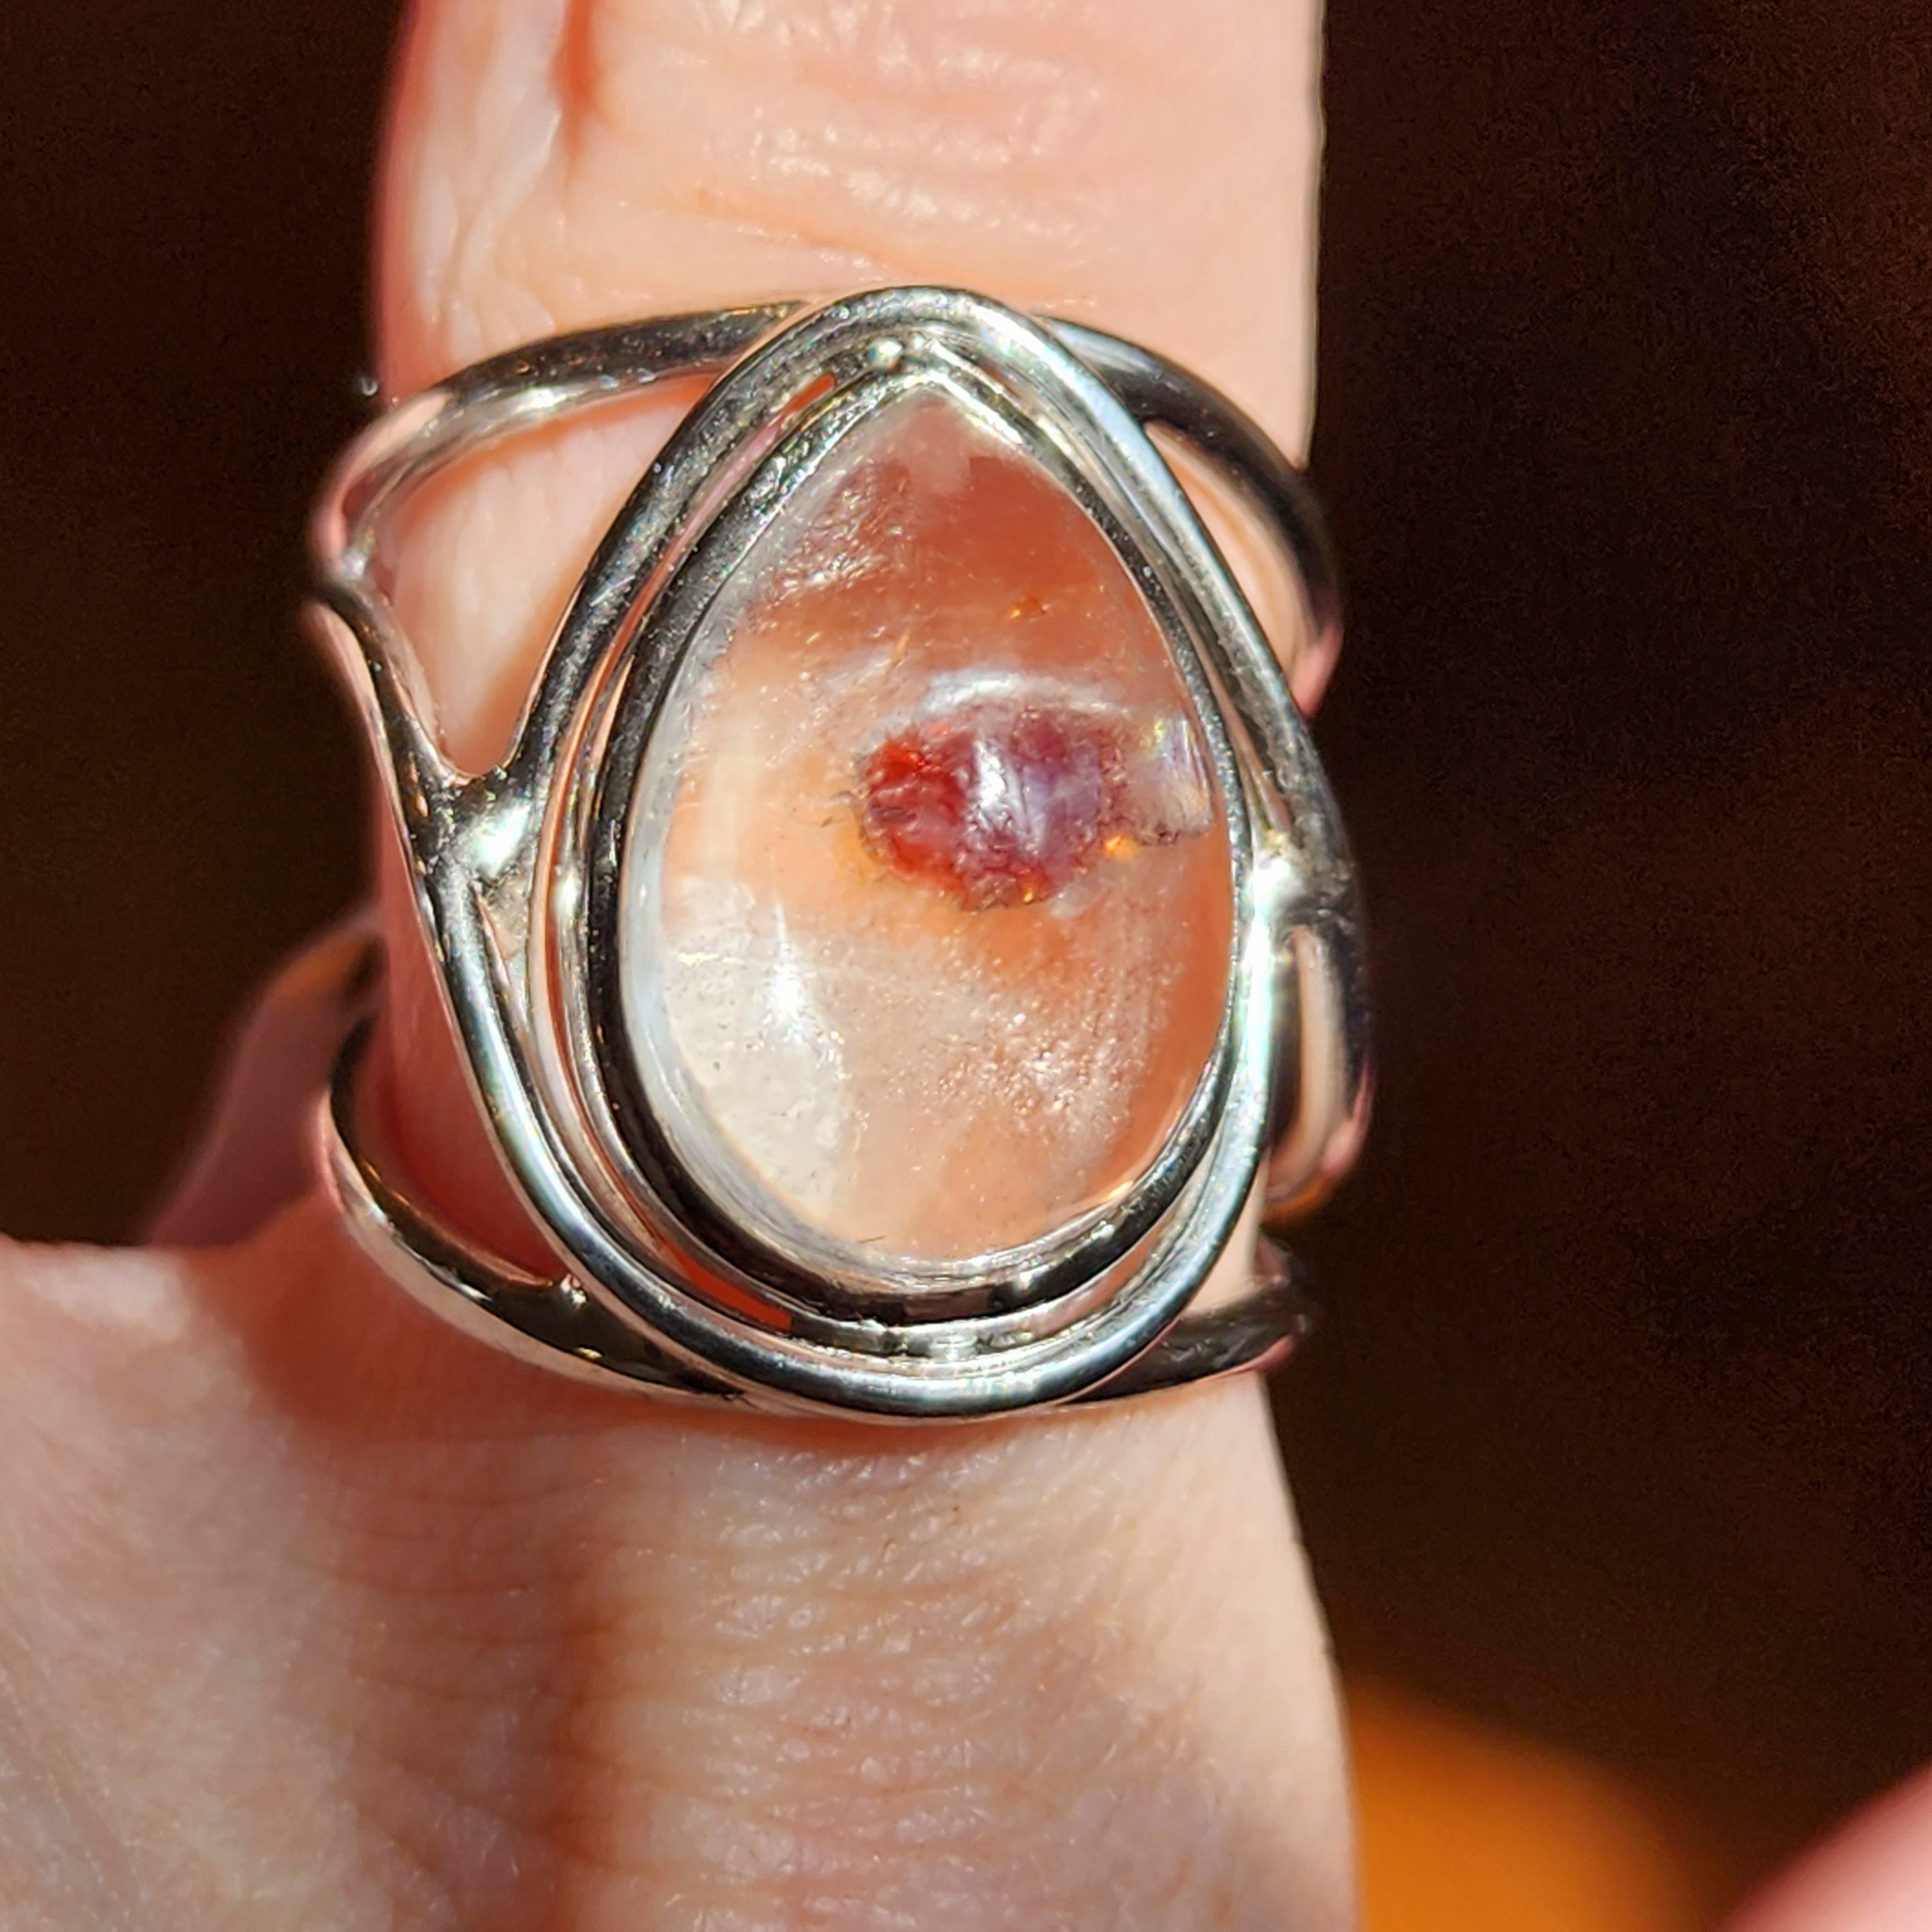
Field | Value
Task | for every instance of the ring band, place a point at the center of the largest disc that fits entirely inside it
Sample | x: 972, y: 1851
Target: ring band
x: 820, y: 760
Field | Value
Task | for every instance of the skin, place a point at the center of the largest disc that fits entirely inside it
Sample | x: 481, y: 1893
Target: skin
x: 314, y: 1613
x: 1875, y: 1875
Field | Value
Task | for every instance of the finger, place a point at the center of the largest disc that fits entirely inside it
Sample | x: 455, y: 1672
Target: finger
x: 1873, y: 1875
x: 251, y: 1158
x: 1153, y: 168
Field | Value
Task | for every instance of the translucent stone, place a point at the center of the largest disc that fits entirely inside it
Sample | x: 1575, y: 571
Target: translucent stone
x: 926, y: 923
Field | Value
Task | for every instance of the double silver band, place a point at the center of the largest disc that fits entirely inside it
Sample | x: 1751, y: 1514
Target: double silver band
x: 657, y: 1287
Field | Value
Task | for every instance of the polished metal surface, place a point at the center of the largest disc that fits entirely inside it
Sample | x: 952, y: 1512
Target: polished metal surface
x: 664, y: 1282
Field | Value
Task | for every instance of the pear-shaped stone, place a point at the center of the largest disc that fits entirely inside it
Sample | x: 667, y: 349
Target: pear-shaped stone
x: 926, y: 918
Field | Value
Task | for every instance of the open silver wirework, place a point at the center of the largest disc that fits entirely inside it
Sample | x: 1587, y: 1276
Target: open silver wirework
x: 665, y: 1280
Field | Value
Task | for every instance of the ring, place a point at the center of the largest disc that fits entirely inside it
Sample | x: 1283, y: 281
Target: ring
x: 910, y: 933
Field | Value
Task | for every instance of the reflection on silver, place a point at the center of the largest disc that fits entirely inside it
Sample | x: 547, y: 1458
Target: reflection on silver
x: 664, y: 1279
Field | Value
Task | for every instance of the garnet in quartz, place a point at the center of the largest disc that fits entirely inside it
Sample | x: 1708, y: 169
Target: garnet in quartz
x: 1004, y: 804
x: 927, y: 912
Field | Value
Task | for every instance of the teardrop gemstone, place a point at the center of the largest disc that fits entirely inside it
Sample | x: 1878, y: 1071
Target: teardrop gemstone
x: 927, y: 908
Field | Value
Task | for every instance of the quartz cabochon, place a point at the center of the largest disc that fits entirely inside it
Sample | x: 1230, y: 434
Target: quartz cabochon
x: 926, y: 924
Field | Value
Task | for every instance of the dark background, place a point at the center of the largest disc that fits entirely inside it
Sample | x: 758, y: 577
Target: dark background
x: 1620, y: 1425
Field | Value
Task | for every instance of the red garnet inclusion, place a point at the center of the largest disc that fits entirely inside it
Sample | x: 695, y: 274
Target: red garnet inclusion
x: 1000, y: 805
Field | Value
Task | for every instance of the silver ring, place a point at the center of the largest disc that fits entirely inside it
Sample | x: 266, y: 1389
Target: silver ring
x: 844, y: 824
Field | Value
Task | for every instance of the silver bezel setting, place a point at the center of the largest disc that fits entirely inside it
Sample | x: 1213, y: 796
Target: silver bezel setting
x: 518, y: 871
